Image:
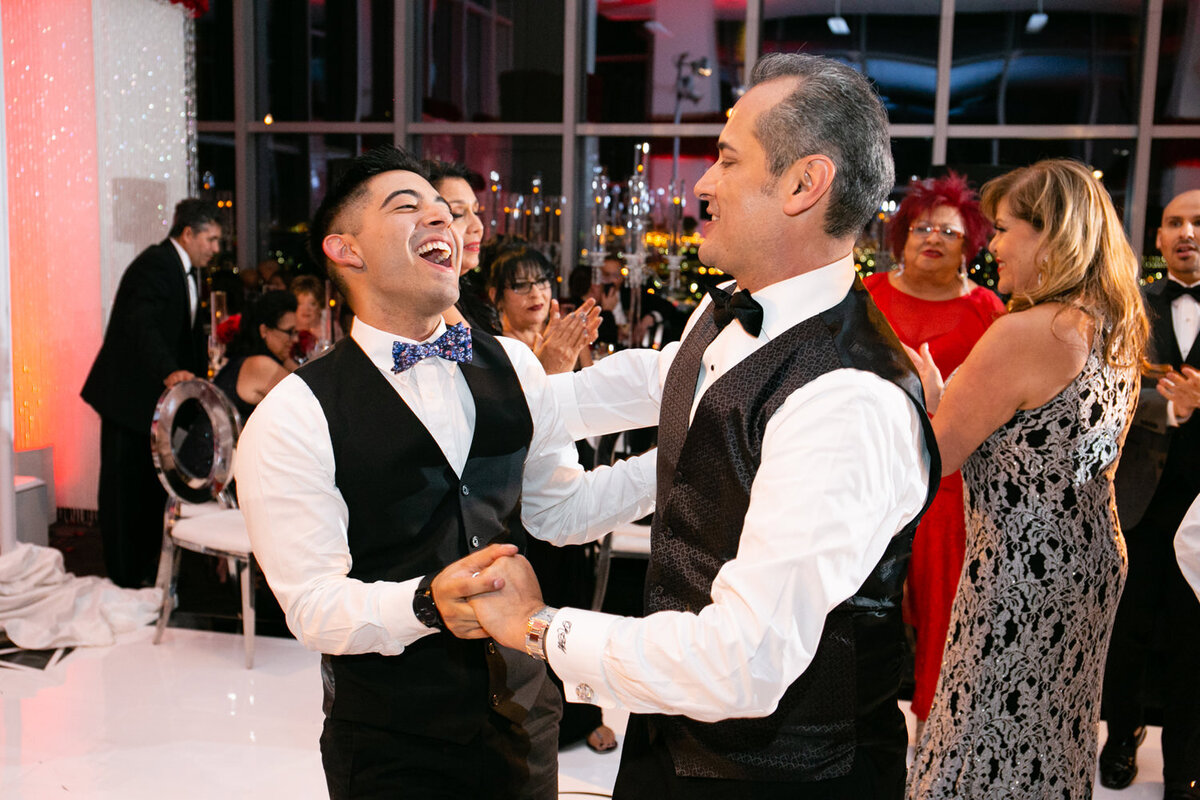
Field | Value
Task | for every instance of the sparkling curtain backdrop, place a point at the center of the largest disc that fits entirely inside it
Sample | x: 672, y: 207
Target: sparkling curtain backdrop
x: 97, y: 155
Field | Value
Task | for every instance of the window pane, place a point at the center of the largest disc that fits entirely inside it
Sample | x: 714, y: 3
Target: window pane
x: 1173, y: 170
x: 1178, y: 95
x: 293, y: 174
x: 650, y: 61
x: 482, y: 65
x: 898, y: 52
x: 510, y: 205
x: 1081, y: 67
x: 214, y: 62
x: 324, y: 60
x: 981, y: 159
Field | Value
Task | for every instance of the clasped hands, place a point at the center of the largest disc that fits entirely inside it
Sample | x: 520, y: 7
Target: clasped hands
x: 489, y: 593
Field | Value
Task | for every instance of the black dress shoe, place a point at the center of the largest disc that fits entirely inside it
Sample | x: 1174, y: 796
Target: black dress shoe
x: 1186, y: 791
x: 1118, y: 759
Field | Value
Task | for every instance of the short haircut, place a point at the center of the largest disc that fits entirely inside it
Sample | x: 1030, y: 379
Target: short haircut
x: 193, y: 213
x: 350, y: 188
x: 308, y: 284
x: 834, y: 112
x: 438, y: 171
x: 950, y: 190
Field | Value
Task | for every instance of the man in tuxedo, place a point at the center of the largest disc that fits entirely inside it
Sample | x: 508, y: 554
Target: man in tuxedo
x: 379, y: 480
x: 613, y: 296
x: 154, y: 340
x: 795, y: 460
x: 1158, y: 620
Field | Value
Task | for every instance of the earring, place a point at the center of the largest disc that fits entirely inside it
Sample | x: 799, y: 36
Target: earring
x: 900, y: 267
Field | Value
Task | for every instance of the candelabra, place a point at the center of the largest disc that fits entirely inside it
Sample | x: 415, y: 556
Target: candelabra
x: 638, y: 212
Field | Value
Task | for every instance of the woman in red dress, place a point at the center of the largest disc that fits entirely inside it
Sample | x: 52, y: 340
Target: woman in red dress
x: 932, y: 304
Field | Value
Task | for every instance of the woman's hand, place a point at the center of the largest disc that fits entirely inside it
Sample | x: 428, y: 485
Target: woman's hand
x: 565, y: 338
x: 931, y: 376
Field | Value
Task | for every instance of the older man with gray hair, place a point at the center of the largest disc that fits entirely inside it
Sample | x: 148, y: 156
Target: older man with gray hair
x: 795, y: 460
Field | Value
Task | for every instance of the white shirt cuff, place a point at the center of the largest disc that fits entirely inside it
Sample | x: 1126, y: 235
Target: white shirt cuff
x: 396, y: 613
x: 575, y: 647
x: 1172, y: 420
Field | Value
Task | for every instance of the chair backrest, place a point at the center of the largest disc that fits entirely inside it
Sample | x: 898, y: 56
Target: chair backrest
x: 193, y: 439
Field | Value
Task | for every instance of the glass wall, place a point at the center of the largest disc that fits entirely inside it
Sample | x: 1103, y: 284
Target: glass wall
x: 540, y: 92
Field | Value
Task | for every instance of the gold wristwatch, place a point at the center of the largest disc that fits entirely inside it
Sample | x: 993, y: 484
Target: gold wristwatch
x: 535, y: 631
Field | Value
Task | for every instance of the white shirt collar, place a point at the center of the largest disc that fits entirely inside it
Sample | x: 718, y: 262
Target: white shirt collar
x: 795, y: 299
x: 377, y: 344
x: 183, y: 256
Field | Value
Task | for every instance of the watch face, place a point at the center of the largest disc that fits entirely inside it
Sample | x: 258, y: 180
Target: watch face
x: 426, y: 610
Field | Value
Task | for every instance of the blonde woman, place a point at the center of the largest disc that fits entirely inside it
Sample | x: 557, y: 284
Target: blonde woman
x: 1035, y: 417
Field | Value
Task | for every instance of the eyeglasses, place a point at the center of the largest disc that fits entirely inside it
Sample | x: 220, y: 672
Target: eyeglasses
x: 291, y: 333
x: 925, y: 229
x: 525, y: 287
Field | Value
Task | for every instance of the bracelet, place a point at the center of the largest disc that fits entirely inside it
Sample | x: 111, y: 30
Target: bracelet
x: 535, y: 631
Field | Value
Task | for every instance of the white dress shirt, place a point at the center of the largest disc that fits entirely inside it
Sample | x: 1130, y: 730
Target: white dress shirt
x: 1187, y: 546
x: 191, y: 284
x: 1185, y: 320
x: 844, y: 468
x: 297, y: 517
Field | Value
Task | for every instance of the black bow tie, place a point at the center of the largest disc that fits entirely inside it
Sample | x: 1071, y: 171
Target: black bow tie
x: 1175, y: 290
x: 740, y: 306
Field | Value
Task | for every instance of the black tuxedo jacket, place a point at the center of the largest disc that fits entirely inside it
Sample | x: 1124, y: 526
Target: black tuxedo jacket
x: 150, y: 335
x: 1159, y: 472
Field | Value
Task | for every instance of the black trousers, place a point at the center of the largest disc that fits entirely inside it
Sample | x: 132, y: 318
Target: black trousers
x: 647, y: 772
x: 131, y: 502
x: 1157, y: 628
x: 505, y: 761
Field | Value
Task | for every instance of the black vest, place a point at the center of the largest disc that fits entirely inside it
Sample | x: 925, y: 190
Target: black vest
x: 825, y: 714
x: 411, y: 515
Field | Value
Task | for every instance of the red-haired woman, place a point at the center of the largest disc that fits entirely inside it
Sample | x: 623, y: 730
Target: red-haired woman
x: 933, y: 305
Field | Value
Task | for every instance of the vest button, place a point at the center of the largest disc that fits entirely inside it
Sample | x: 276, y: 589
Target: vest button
x: 466, y: 490
x: 491, y: 648
x: 474, y: 541
x: 670, y: 534
x: 657, y: 590
x: 678, y: 476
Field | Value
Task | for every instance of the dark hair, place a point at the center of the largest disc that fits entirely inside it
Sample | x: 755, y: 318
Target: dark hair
x: 308, y: 284
x: 512, y: 262
x: 438, y: 171
x: 950, y: 190
x: 349, y: 188
x: 265, y: 309
x: 193, y: 213
x: 833, y: 112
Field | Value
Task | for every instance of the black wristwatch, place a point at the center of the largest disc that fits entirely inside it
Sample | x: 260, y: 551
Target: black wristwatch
x: 424, y: 607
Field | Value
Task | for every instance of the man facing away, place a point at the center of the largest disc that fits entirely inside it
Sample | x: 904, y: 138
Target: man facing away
x: 1157, y: 479
x: 153, y: 341
x: 379, y: 480
x: 795, y: 459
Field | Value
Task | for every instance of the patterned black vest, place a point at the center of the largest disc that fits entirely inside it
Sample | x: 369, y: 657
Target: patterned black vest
x: 704, y: 483
x: 411, y: 515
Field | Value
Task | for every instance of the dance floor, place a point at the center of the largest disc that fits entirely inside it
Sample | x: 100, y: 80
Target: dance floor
x: 186, y: 720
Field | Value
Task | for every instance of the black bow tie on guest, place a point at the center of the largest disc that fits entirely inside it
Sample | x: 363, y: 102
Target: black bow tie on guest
x: 1175, y: 290
x: 740, y: 306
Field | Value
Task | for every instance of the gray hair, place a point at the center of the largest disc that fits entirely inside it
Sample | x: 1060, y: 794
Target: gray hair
x: 833, y: 112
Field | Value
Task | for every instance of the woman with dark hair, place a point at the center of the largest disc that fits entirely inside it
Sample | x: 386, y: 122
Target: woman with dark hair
x: 457, y: 184
x: 519, y: 286
x: 1036, y: 417
x: 933, y: 305
x: 261, y: 353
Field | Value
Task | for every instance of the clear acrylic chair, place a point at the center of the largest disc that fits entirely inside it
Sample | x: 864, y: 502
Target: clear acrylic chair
x: 193, y: 439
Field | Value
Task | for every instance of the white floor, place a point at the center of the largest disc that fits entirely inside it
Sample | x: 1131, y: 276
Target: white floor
x: 186, y: 720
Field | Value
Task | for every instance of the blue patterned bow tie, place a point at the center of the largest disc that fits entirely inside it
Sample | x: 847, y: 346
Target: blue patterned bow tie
x: 453, y: 345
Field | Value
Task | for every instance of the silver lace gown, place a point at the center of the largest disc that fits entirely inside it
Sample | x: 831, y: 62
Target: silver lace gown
x: 1018, y: 698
